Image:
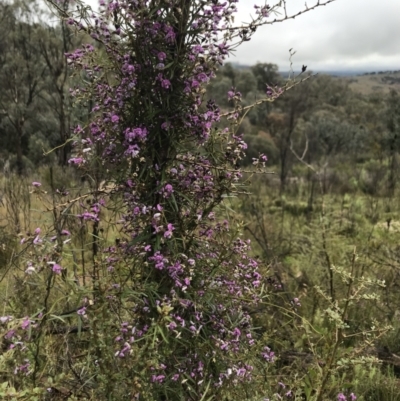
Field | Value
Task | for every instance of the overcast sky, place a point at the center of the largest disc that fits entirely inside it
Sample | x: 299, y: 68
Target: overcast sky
x: 345, y: 35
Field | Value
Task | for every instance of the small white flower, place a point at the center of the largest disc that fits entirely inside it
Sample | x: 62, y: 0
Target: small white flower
x: 30, y: 270
x: 5, y: 319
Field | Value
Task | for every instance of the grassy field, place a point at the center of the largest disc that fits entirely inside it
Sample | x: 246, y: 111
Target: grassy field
x: 379, y: 82
x: 320, y: 251
x: 316, y: 251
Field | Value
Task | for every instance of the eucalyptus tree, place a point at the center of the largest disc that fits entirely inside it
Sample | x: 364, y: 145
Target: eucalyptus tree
x: 22, y: 75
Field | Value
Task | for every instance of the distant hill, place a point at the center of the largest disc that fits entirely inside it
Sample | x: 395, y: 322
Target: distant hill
x: 366, y: 82
x: 337, y: 73
x: 382, y: 81
x: 361, y: 81
x: 342, y: 73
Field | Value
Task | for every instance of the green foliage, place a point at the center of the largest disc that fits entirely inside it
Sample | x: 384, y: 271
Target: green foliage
x: 266, y: 74
x: 8, y: 392
x: 310, y: 239
x: 35, y: 107
x: 246, y: 82
x: 260, y: 144
x: 7, y: 246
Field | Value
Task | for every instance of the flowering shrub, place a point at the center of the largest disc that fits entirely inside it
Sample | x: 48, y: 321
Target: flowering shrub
x: 165, y: 313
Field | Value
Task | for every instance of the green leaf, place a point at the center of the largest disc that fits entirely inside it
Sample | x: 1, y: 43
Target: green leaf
x: 159, y: 328
x: 174, y: 202
x: 53, y: 317
x: 169, y: 65
x: 79, y: 326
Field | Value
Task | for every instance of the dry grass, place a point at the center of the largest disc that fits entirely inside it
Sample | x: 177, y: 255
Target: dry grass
x: 368, y: 84
x: 35, y: 209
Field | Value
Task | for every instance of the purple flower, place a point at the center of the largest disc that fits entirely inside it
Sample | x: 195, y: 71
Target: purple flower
x: 25, y: 323
x: 353, y: 397
x: 57, y: 268
x: 341, y: 397
x: 165, y: 83
x: 36, y: 184
x: 121, y: 353
x: 296, y: 302
x: 166, y: 125
x: 161, y: 56
x: 10, y: 334
x: 168, y: 233
x: 37, y: 240
x: 268, y: 355
x: 23, y: 368
x: 76, y: 160
x: 81, y: 311
x: 167, y: 190
x: 170, y: 35
x: 114, y: 118
x: 135, y: 133
x: 89, y: 216
x: 236, y: 332
x: 157, y: 378
x: 172, y: 326
x: 264, y: 12
x: 197, y: 49
x: 223, y: 48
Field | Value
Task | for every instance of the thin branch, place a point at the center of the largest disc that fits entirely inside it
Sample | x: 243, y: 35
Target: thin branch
x: 276, y: 20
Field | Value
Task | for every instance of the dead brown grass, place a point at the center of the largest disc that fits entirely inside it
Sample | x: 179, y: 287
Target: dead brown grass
x: 368, y: 84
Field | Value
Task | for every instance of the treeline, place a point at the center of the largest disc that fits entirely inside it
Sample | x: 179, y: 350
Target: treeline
x: 36, y: 114
x: 321, y: 121
x: 382, y: 72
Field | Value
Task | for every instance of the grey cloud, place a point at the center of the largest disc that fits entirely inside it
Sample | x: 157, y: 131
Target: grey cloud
x: 344, y: 34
